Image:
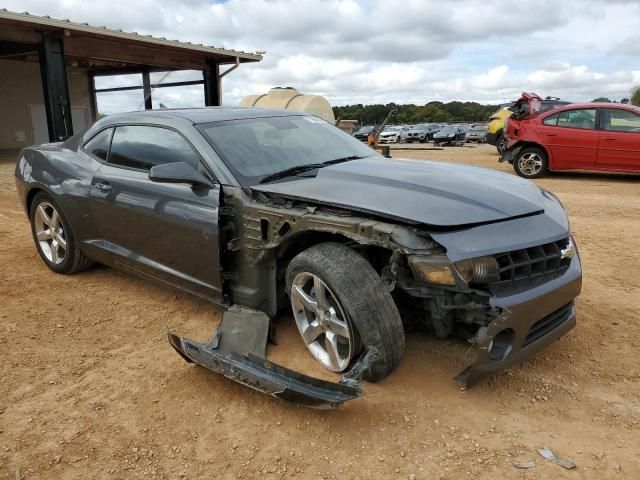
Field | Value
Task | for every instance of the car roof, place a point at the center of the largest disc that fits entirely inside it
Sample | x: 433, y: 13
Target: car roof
x: 203, y: 115
x: 573, y: 106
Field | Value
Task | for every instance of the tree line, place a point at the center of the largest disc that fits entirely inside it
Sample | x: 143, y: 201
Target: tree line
x: 434, y: 111
x: 409, y: 113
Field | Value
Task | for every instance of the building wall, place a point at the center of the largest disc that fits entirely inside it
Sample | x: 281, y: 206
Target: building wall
x: 20, y: 86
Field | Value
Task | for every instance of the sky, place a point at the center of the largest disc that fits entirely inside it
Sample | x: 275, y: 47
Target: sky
x: 390, y: 51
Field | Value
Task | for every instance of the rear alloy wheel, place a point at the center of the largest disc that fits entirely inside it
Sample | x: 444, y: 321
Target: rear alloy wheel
x: 53, y: 237
x: 344, y: 312
x: 49, y: 233
x: 531, y: 163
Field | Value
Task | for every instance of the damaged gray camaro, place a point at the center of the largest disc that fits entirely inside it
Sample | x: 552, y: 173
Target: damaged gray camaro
x: 263, y: 211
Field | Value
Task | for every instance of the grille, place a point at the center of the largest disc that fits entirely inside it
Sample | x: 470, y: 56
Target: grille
x: 548, y: 323
x: 532, y: 262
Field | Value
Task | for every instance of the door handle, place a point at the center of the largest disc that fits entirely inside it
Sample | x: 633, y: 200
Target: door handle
x: 609, y: 138
x: 551, y: 134
x: 103, y: 186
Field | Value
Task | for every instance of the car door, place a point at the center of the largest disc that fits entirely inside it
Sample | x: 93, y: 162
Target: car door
x: 619, y: 140
x: 165, y: 230
x: 571, y: 138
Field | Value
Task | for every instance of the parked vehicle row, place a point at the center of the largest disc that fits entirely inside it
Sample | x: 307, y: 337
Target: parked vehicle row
x: 426, y: 132
x: 578, y: 136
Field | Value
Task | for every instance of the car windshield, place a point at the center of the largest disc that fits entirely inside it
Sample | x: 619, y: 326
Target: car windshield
x: 448, y: 130
x: 257, y: 148
x: 393, y: 129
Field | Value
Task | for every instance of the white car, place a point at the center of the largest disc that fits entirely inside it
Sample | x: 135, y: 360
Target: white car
x: 392, y: 134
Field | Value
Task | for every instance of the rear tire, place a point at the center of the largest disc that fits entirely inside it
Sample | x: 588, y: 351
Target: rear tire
x: 53, y: 237
x: 531, y: 162
x: 366, y: 301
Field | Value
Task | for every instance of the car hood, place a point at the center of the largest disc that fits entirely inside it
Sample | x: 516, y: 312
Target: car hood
x: 418, y: 191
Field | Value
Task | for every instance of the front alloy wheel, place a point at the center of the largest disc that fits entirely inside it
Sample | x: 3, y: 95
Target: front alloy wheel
x: 322, y: 322
x: 344, y: 312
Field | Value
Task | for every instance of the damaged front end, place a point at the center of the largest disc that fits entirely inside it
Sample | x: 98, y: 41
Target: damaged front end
x: 237, y: 351
x: 508, y: 306
x: 493, y: 284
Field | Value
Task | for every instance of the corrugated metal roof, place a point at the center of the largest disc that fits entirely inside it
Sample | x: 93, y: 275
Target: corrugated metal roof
x: 46, y: 20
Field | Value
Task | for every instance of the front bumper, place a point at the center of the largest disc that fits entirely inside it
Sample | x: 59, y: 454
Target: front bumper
x: 510, y: 153
x: 415, y: 137
x: 237, y: 351
x: 534, y: 318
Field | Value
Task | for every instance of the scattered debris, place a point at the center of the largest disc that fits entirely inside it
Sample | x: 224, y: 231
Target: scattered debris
x: 525, y: 464
x: 549, y: 455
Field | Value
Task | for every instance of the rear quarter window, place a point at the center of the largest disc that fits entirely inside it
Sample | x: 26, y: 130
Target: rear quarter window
x: 98, y: 146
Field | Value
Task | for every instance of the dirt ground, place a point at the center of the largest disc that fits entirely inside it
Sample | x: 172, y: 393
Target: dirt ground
x: 90, y: 388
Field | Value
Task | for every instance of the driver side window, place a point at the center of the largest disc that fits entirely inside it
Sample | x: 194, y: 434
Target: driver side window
x: 143, y: 147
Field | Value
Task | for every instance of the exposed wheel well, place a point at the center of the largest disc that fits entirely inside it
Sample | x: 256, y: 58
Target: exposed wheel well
x: 30, y: 196
x: 378, y: 257
x: 522, y: 145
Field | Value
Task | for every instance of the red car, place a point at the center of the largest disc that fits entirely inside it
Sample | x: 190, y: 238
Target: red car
x: 579, y: 136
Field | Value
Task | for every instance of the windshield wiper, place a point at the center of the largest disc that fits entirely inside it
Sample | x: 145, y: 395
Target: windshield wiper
x: 289, y: 172
x: 343, y: 159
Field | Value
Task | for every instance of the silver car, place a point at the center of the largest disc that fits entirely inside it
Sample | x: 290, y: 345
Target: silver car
x: 392, y: 134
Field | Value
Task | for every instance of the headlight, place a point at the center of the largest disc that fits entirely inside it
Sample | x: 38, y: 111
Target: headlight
x: 432, y: 269
x: 480, y: 270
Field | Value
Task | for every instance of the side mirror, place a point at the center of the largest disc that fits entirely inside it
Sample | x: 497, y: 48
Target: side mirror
x: 179, y: 172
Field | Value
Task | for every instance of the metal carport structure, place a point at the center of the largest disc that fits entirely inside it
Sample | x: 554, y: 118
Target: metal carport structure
x: 59, y: 45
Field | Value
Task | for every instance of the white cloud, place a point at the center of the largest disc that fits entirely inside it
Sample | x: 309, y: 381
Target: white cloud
x: 378, y: 51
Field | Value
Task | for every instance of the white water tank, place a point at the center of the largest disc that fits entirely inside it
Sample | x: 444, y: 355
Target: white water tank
x: 291, y: 99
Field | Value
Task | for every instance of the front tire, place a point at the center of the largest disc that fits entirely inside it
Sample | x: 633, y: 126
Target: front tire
x: 501, y: 144
x: 341, y: 307
x: 53, y: 237
x: 531, y: 162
